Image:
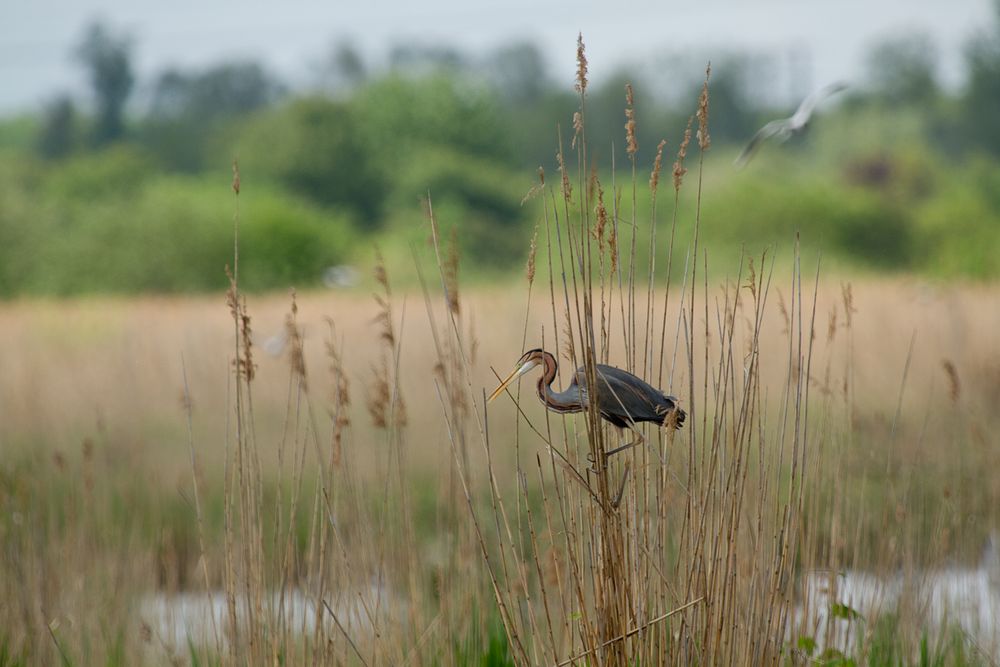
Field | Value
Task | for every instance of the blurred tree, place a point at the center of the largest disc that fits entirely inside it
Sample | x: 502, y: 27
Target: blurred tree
x: 228, y: 89
x: 475, y: 197
x: 903, y: 70
x: 314, y: 147
x: 981, y: 103
x: 606, y: 119
x: 57, y: 136
x: 116, y: 172
x: 189, y: 111
x: 344, y: 68
x: 422, y: 59
x: 532, y: 127
x: 519, y: 73
x: 399, y: 114
x: 109, y: 58
x: 733, y: 118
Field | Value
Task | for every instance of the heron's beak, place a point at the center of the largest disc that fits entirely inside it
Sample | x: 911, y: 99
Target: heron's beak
x: 518, y: 372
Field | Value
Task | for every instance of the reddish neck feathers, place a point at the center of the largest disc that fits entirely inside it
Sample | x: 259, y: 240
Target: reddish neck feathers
x: 548, y: 375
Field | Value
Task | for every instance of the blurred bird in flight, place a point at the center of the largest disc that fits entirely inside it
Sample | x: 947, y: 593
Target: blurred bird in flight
x: 785, y: 128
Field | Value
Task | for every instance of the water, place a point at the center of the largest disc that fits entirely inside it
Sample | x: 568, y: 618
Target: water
x: 202, y: 619
x: 948, y: 599
x: 951, y: 598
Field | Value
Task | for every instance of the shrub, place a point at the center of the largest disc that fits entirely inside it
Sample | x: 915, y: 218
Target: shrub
x: 313, y: 148
x: 478, y: 197
x: 172, y: 234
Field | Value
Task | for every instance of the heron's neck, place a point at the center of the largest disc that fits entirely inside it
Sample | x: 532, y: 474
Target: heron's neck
x: 563, y: 401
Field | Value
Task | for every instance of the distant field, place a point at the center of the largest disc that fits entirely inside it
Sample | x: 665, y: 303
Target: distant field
x: 112, y: 369
x: 96, y: 449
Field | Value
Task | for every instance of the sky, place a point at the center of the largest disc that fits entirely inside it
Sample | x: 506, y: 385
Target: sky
x: 824, y: 40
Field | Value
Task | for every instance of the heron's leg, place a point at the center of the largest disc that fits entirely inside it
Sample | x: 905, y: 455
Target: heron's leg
x: 621, y: 489
x: 639, y: 439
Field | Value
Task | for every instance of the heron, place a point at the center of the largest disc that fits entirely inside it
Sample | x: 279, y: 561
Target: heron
x: 622, y: 399
x: 785, y: 128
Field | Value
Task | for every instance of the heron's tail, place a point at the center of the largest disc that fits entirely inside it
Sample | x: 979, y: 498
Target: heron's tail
x: 672, y: 415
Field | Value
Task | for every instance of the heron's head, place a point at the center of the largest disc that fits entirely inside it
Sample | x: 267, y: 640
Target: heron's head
x: 528, y: 361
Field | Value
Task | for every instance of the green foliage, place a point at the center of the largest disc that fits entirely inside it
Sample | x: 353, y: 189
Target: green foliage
x: 191, y: 112
x: 476, y: 197
x: 887, y: 648
x: 112, y: 174
x: 495, y: 652
x: 845, y: 612
x: 960, y: 226
x: 903, y: 70
x: 807, y: 645
x: 143, y: 232
x: 981, y: 104
x: 9, y: 657
x: 58, y: 137
x: 848, y: 222
x: 399, y: 116
x: 18, y: 134
x: 881, y: 183
x: 314, y: 148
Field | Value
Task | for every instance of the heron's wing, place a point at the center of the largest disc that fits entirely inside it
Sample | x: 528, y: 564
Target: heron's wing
x: 774, y: 127
x: 625, y: 395
x: 805, y: 110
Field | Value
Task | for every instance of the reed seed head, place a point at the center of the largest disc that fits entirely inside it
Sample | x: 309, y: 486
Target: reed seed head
x: 246, y: 335
x: 679, y: 168
x: 567, y: 187
x: 654, y: 176
x: 384, y: 407
x: 613, y: 247
x: 341, y: 397
x: 631, y: 145
x: 704, y: 140
x: 847, y: 294
x: 602, y: 217
x: 238, y: 309
x: 954, y: 384
x: 236, y: 176
x: 532, y: 249
x: 293, y: 333
x: 784, y: 313
x: 451, y: 273
x: 568, y: 349
x: 581, y: 65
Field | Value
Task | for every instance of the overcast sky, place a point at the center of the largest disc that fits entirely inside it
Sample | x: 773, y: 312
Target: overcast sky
x: 830, y: 37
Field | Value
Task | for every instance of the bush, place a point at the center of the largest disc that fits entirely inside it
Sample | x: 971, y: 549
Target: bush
x: 851, y: 222
x: 171, y: 234
x: 960, y: 226
x: 313, y: 147
x: 476, y: 197
x: 400, y: 117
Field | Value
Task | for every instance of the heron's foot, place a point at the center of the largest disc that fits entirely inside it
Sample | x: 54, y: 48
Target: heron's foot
x: 621, y: 489
x: 593, y: 465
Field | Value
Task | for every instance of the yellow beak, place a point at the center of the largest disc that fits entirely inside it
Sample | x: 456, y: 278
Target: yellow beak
x: 516, y: 373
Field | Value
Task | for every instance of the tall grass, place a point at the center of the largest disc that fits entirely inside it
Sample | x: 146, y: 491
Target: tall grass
x: 677, y: 551
x: 365, y: 506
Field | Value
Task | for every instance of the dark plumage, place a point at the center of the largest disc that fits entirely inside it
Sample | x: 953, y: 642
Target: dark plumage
x: 622, y: 398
